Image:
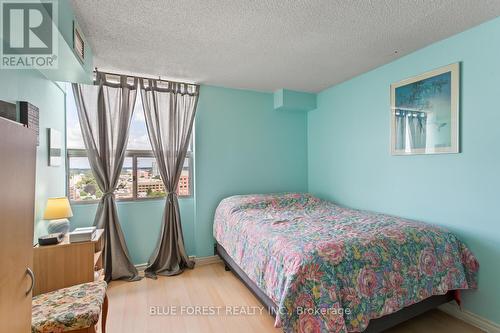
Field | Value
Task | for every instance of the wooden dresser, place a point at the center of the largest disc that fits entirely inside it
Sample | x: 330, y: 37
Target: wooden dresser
x: 17, y: 197
x: 67, y: 264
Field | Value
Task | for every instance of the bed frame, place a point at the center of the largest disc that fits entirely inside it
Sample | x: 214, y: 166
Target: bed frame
x: 375, y: 326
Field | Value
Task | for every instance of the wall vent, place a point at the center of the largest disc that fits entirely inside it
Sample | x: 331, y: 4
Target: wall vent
x: 78, y: 42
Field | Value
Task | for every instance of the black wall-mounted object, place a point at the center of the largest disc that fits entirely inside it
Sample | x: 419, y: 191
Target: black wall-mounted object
x: 8, y: 110
x: 29, y: 116
x: 51, y: 239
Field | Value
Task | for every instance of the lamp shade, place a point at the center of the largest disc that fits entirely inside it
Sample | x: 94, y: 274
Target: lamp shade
x: 57, y: 208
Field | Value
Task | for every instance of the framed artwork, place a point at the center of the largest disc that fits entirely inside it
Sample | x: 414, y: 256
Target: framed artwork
x: 425, y: 113
x: 55, y: 147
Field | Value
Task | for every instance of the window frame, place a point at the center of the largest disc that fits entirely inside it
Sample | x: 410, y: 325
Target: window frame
x: 134, y: 154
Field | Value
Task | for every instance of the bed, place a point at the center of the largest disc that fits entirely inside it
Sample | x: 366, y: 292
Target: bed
x: 320, y: 267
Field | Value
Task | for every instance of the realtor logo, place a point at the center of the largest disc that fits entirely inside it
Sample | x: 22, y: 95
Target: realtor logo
x: 29, y: 34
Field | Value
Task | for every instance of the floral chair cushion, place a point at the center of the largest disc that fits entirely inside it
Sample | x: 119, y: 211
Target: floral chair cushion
x: 68, y: 309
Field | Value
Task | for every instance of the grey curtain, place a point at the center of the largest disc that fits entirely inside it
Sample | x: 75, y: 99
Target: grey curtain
x: 105, y: 111
x: 169, y: 110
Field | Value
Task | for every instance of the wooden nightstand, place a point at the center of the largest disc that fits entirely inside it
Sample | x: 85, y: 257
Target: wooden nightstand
x: 67, y: 264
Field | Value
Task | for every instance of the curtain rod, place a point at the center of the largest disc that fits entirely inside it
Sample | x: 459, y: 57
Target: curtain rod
x: 145, y: 78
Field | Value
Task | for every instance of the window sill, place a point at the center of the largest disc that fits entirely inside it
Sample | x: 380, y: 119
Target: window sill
x: 94, y: 202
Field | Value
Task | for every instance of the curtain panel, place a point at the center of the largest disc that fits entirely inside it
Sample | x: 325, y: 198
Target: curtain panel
x: 169, y: 110
x: 105, y: 112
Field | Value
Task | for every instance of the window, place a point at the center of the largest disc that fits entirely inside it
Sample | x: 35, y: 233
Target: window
x: 82, y: 185
x: 140, y: 178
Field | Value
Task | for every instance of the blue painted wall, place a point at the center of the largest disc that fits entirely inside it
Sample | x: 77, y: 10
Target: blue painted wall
x: 349, y: 159
x: 291, y: 100
x: 40, y: 89
x: 33, y: 87
x: 243, y: 146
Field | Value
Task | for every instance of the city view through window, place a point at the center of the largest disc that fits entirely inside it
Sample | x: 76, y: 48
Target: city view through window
x: 139, y: 178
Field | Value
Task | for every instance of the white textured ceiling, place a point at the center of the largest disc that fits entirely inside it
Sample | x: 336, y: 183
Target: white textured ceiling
x: 264, y: 45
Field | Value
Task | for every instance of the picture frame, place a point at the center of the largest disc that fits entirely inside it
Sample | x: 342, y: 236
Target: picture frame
x: 425, y: 113
x: 55, y: 147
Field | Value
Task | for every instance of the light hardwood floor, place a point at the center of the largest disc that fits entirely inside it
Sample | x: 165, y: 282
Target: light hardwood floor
x: 130, y: 305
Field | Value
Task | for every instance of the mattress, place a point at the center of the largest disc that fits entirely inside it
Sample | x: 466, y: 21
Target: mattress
x: 332, y: 269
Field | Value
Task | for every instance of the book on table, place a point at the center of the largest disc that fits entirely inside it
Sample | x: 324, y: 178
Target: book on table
x: 82, y: 234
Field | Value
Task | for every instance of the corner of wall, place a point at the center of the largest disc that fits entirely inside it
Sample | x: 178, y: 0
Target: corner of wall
x: 290, y: 100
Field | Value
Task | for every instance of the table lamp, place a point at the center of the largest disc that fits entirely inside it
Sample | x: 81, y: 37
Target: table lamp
x: 57, y: 212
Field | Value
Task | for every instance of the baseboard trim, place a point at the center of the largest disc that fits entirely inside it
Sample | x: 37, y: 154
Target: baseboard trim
x: 471, y: 318
x: 201, y: 261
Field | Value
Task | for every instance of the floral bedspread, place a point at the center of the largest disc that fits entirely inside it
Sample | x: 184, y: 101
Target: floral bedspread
x: 332, y: 269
